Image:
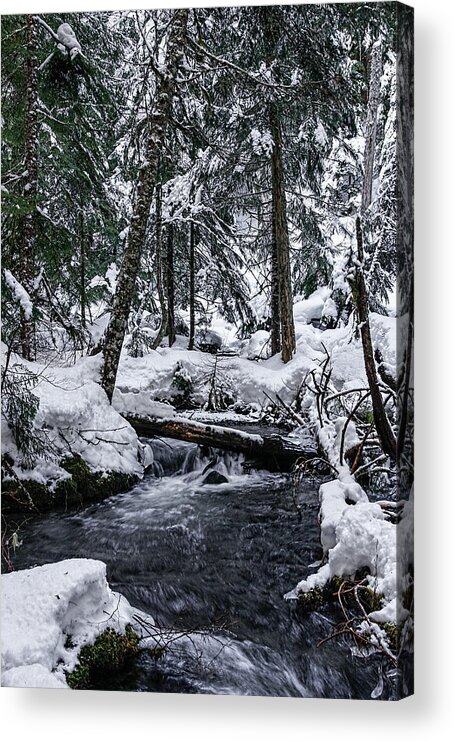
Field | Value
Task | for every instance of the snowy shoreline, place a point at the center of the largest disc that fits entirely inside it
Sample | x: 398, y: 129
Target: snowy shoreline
x: 44, y: 606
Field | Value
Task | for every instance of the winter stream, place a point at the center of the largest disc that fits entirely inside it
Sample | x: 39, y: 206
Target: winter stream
x: 201, y: 556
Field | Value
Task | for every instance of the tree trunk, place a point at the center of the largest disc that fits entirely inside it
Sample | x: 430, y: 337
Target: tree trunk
x: 282, y: 241
x: 275, y: 328
x: 274, y: 452
x: 371, y: 125
x: 158, y: 122
x: 359, y: 289
x: 82, y: 294
x: 170, y: 284
x: 159, y: 266
x: 28, y: 261
x: 192, y: 268
x: 360, y: 296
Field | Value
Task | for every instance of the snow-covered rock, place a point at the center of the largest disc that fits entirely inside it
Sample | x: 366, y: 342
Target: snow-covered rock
x: 42, y: 606
x: 257, y: 346
x: 74, y: 418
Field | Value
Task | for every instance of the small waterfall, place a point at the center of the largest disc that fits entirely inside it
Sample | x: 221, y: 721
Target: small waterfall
x: 172, y: 458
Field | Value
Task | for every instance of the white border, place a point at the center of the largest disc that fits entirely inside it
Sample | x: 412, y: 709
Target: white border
x: 68, y: 716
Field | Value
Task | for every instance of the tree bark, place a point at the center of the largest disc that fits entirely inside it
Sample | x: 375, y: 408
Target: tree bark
x: 28, y: 262
x: 170, y: 284
x: 371, y: 125
x: 275, y: 328
x: 360, y: 296
x: 82, y: 292
x: 192, y: 268
x: 274, y: 452
x: 159, y: 266
x: 282, y: 241
x: 158, y: 123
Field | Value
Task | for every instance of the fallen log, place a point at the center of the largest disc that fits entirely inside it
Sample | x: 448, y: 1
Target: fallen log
x: 273, y: 452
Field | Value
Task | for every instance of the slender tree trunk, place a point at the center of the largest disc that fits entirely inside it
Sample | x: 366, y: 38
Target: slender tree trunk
x: 159, y: 266
x: 360, y: 296
x: 28, y: 259
x: 158, y: 122
x: 192, y: 268
x: 170, y: 284
x: 275, y: 329
x: 371, y: 125
x: 281, y: 237
x: 83, y: 298
x: 359, y: 289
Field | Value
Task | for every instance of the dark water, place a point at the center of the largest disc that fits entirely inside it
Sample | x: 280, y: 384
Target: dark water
x: 221, y: 556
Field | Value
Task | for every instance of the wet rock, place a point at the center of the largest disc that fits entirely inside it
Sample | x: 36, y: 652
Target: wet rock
x: 214, y: 477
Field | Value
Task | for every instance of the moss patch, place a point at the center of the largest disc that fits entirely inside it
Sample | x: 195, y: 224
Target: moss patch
x: 311, y: 600
x: 83, y: 487
x: 317, y: 597
x: 108, y: 654
x: 393, y: 632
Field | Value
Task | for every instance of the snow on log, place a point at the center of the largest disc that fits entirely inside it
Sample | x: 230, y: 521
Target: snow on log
x: 274, y: 452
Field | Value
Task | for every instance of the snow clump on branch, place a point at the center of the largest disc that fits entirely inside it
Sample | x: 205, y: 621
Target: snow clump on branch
x: 68, y: 40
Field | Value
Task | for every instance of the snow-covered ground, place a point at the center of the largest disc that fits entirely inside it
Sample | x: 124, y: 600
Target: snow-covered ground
x: 42, y: 607
x: 74, y: 414
x: 75, y: 417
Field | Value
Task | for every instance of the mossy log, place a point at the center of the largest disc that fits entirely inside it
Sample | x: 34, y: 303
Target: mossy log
x: 273, y: 452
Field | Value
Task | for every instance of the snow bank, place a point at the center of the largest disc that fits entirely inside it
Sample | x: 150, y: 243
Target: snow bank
x: 354, y: 532
x: 74, y: 417
x: 354, y: 535
x: 250, y: 379
x: 42, y: 606
x: 81, y: 421
x: 312, y: 308
x: 141, y: 404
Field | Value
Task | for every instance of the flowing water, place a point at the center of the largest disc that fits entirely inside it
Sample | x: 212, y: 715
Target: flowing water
x: 213, y: 562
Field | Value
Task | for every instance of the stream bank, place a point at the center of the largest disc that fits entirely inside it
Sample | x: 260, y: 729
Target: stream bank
x: 213, y: 562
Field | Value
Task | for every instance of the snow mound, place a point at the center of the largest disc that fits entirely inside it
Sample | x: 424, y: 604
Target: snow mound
x: 355, y: 535
x: 42, y: 606
x: 141, y: 404
x: 74, y: 418
x: 311, y: 308
x: 91, y: 426
x: 335, y: 497
x: 257, y: 346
